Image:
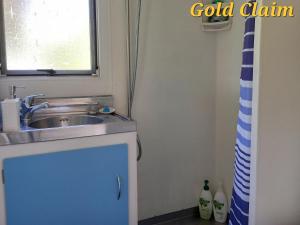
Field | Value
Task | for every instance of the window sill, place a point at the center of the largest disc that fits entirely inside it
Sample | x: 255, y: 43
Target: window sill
x: 49, y: 78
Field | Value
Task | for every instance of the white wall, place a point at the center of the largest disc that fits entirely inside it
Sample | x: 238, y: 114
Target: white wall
x: 278, y: 155
x: 229, y: 60
x: 157, y: 73
x: 174, y: 107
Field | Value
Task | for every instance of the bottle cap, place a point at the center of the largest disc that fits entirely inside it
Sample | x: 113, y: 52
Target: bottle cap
x: 206, y: 187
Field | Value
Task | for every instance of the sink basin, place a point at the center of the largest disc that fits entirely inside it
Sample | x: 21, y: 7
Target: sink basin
x: 65, y: 121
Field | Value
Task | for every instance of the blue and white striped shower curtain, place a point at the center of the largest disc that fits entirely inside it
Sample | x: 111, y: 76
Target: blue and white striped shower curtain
x: 239, y: 212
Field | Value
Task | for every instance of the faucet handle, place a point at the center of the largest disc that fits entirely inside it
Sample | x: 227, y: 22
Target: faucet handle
x: 28, y: 99
x: 13, y: 90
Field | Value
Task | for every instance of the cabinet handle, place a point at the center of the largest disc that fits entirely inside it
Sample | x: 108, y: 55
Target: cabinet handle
x: 119, y: 187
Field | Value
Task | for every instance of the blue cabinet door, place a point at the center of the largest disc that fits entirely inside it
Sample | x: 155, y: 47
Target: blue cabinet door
x: 80, y: 187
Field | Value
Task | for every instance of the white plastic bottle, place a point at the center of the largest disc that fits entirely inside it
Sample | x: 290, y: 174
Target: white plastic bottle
x: 205, y: 202
x: 220, y: 205
x: 11, y: 115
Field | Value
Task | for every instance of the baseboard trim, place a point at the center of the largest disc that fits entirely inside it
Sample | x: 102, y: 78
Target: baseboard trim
x: 192, y: 212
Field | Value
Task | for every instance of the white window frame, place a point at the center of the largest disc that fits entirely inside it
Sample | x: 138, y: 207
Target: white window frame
x: 94, y: 23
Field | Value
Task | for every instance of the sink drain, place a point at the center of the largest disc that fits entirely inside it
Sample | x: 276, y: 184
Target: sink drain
x: 64, y: 122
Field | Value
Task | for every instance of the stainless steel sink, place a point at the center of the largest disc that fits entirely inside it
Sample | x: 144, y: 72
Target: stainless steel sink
x: 65, y: 121
x: 68, y: 118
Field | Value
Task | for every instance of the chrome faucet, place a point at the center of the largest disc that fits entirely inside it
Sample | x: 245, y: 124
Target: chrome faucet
x: 27, y: 108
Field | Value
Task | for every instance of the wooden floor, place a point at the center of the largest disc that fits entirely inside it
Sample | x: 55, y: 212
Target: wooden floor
x: 189, y: 221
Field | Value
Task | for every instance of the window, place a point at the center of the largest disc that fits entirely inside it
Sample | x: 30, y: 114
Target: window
x: 48, y: 37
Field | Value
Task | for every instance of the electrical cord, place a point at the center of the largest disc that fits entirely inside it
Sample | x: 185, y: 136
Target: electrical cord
x: 133, y: 73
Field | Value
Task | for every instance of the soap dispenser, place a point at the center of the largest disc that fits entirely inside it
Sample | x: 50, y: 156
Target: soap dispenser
x: 220, y: 205
x: 11, y: 112
x: 205, y: 202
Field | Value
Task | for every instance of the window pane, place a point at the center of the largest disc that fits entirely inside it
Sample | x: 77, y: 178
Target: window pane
x: 47, y: 34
